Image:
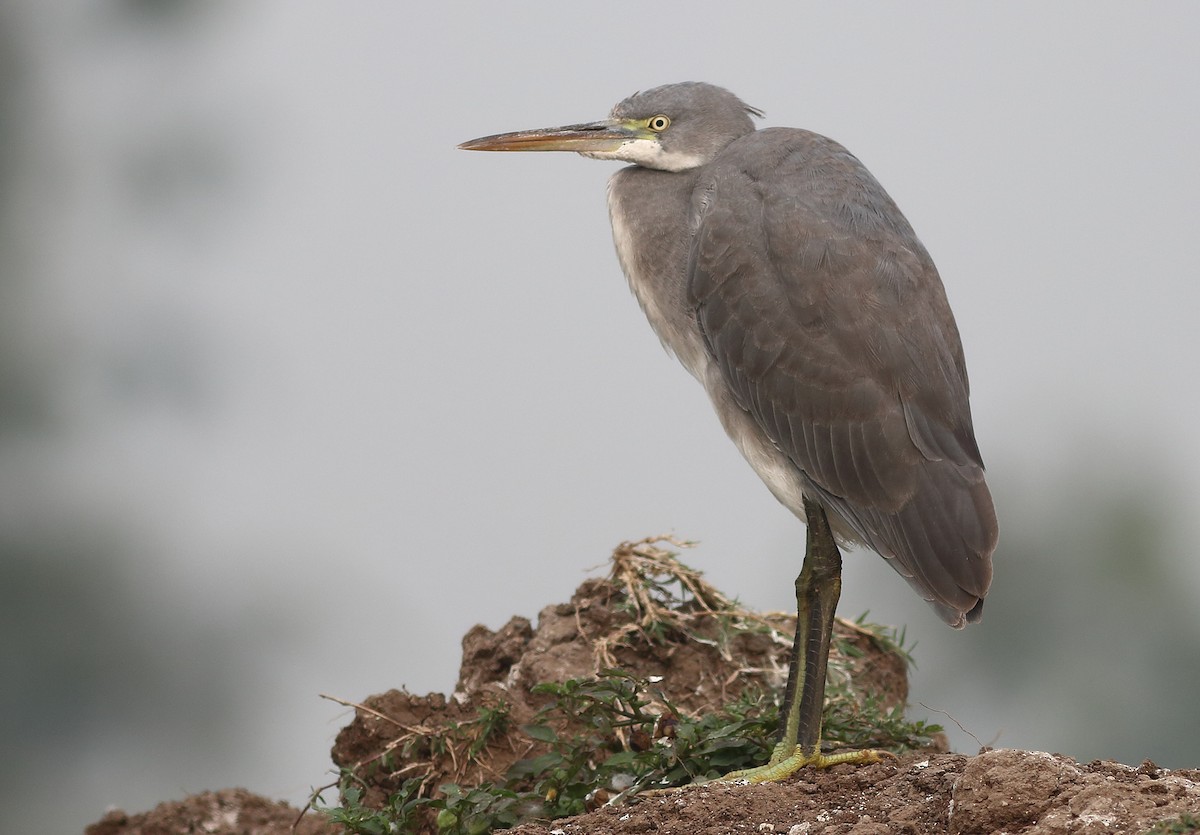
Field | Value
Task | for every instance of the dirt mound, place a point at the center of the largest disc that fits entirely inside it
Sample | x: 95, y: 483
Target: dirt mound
x: 1009, y: 791
x: 417, y: 763
x: 699, y: 647
x: 225, y: 812
x: 694, y: 651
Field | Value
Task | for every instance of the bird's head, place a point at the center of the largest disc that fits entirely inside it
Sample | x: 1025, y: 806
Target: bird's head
x: 672, y: 128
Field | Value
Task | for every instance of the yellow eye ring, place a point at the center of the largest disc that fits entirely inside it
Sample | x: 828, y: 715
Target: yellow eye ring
x: 658, y: 123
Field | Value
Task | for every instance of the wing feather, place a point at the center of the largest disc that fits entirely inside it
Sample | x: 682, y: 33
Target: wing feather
x: 830, y: 326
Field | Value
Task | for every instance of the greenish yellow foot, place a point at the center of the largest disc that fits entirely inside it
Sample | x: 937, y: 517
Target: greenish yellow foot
x: 783, y: 765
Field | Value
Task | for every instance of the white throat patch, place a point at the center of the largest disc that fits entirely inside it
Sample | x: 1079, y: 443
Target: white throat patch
x: 649, y: 153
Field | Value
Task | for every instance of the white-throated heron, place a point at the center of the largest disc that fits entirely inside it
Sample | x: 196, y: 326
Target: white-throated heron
x: 784, y: 278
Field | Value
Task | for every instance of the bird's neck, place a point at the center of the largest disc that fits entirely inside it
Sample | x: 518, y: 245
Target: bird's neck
x: 651, y: 219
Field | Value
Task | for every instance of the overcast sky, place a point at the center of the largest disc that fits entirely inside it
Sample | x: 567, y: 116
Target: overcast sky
x: 315, y: 371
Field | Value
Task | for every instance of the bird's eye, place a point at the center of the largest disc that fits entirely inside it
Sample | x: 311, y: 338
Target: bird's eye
x: 658, y: 123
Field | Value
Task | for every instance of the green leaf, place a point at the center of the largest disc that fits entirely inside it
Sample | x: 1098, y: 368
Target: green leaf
x: 542, y: 733
x: 535, y: 766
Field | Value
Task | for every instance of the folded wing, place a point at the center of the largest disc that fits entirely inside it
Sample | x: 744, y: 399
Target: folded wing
x: 829, y: 323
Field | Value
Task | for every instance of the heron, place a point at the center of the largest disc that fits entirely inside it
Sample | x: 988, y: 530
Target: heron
x: 783, y: 277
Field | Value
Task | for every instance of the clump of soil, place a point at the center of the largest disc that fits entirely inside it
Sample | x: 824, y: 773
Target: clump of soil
x: 712, y: 652
x: 226, y: 812
x: 703, y: 652
x: 1000, y: 791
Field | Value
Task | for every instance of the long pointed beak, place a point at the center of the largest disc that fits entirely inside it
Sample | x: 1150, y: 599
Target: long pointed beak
x: 608, y: 135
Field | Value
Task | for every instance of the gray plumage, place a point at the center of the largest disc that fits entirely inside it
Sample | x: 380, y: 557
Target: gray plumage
x: 784, y: 278
x: 788, y: 282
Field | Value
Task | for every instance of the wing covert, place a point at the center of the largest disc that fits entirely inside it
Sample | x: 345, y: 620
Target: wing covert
x: 830, y: 326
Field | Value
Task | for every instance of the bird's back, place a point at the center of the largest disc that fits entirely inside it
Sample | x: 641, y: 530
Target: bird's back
x: 826, y: 324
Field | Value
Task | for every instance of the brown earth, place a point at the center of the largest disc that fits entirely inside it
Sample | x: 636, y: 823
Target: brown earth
x: 573, y: 640
x: 225, y: 812
x: 396, y: 735
x: 1000, y: 791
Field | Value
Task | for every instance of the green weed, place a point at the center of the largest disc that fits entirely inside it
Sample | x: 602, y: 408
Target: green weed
x: 610, y: 737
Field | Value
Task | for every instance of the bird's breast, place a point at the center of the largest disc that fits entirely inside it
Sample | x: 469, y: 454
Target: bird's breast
x: 653, y: 222
x: 650, y: 215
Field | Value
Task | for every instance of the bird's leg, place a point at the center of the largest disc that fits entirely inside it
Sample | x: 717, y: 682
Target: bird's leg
x: 817, y: 590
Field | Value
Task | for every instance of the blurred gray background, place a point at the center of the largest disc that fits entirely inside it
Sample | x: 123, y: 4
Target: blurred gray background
x: 292, y: 393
